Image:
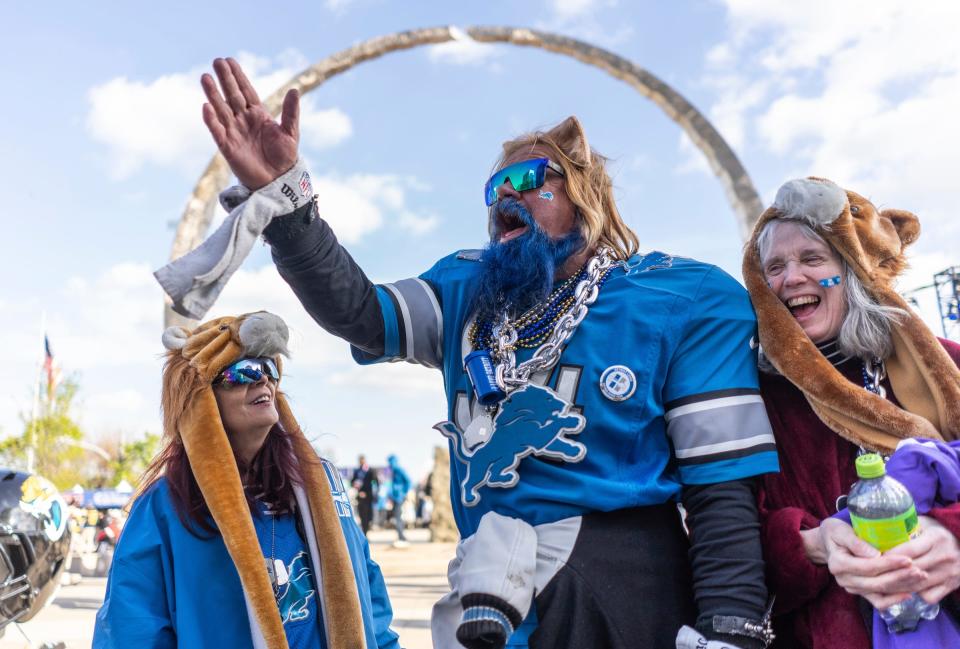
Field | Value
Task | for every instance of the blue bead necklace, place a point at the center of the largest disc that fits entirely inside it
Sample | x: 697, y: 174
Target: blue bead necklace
x: 536, y: 324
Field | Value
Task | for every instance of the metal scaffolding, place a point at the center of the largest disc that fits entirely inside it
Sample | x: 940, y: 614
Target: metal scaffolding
x: 947, y: 285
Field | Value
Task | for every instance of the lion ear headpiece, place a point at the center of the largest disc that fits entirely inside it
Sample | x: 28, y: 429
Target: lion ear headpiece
x: 194, y: 358
x: 924, y: 378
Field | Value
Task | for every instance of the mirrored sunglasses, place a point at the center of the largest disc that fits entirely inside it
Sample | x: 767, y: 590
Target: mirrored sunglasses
x: 525, y: 175
x: 248, y: 370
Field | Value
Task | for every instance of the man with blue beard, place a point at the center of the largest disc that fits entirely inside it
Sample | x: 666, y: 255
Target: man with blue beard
x: 589, y: 389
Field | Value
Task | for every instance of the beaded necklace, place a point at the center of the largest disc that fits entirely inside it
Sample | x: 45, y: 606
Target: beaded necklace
x: 537, y: 323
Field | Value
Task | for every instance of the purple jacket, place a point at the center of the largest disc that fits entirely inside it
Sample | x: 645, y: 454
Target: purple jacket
x: 930, y: 471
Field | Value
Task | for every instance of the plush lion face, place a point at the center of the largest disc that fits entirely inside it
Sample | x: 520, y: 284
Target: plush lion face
x: 195, y: 357
x: 882, y: 237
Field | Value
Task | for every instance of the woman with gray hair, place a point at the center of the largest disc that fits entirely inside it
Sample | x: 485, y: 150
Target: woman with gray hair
x: 846, y: 366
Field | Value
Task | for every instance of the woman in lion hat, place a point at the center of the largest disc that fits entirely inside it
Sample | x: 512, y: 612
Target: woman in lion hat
x: 240, y: 536
x: 847, y: 367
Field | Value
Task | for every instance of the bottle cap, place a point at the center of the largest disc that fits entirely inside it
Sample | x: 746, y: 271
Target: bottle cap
x: 870, y: 465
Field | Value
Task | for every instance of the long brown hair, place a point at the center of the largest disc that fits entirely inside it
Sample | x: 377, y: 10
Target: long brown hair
x: 269, y: 477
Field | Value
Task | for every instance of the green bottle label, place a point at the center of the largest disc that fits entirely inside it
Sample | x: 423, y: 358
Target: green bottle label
x: 886, y: 533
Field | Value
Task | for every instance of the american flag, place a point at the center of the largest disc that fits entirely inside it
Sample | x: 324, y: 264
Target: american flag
x: 51, y: 367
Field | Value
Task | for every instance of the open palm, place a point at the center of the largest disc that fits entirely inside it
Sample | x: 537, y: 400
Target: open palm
x: 256, y: 147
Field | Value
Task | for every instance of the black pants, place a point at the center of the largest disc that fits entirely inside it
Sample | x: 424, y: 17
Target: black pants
x: 365, y: 510
x: 626, y: 584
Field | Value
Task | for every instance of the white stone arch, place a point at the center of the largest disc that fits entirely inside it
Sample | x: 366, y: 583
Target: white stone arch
x: 741, y: 193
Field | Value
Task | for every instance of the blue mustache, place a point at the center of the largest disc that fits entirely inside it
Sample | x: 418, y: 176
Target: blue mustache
x: 508, y: 211
x: 519, y: 273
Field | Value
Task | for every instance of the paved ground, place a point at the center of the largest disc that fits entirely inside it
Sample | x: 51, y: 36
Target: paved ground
x: 415, y: 575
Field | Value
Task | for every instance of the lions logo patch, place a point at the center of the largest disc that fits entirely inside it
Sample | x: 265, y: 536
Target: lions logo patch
x: 532, y: 421
x: 618, y: 383
x: 651, y: 261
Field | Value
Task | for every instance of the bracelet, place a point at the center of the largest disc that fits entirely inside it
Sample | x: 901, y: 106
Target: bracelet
x: 761, y: 630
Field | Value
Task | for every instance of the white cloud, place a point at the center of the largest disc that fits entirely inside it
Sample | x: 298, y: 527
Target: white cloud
x: 112, y: 319
x: 394, y: 378
x: 418, y: 225
x: 463, y: 51
x: 584, y: 20
x: 159, y: 122
x: 338, y: 6
x: 864, y: 93
x: 121, y: 110
x: 568, y: 9
x: 106, y: 331
x: 355, y: 205
x: 127, y: 399
x: 323, y: 129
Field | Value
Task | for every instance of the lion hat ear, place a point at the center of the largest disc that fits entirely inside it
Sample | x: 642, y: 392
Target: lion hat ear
x: 570, y: 137
x: 872, y: 243
x: 191, y: 414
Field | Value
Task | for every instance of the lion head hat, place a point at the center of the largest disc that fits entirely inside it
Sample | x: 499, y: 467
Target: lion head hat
x: 190, y: 414
x: 872, y: 242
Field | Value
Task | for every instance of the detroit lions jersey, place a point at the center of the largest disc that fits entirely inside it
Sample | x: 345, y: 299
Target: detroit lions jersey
x: 657, y: 388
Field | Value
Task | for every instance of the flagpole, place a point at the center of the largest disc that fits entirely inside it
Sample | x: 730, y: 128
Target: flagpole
x: 31, y: 455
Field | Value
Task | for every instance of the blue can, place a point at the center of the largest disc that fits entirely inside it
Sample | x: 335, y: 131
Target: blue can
x: 483, y: 376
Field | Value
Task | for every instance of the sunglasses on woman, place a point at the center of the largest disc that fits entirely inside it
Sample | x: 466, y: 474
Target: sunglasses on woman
x: 525, y: 175
x: 247, y: 371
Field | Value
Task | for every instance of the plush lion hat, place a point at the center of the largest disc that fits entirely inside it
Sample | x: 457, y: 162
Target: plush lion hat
x: 923, y: 376
x: 191, y: 414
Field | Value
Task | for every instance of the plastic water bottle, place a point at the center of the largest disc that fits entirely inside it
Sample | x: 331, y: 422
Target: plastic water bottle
x: 883, y: 515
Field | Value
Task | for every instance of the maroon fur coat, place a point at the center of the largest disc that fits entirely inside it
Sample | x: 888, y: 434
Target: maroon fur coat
x: 816, y: 467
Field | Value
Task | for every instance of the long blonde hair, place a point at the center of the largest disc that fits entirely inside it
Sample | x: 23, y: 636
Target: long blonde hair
x: 587, y: 183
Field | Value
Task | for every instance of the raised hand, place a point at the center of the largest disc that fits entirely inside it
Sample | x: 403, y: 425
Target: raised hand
x: 256, y: 147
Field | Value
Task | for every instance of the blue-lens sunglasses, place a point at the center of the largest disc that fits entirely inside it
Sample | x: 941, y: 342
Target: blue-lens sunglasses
x: 248, y: 370
x: 525, y: 175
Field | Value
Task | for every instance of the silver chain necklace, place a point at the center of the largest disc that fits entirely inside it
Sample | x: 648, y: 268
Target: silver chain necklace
x: 875, y: 371
x: 511, y: 376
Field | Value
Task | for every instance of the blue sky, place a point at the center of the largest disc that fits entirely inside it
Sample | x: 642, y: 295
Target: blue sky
x: 103, y: 141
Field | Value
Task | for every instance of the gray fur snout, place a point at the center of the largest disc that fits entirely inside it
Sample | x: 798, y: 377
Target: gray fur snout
x: 264, y: 334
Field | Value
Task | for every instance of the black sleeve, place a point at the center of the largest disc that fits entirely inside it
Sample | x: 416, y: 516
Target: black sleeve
x: 329, y: 283
x: 725, y: 555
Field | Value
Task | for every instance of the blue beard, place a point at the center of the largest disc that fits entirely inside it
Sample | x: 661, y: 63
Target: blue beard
x: 516, y: 275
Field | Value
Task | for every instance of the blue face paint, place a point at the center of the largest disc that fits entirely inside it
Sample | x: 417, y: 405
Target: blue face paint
x: 547, y: 196
x: 830, y: 281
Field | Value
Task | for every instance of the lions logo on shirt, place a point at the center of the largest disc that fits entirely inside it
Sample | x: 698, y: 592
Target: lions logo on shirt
x: 532, y: 421
x: 294, y: 597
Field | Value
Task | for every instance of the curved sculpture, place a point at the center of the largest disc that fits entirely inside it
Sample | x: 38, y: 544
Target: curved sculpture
x: 739, y: 189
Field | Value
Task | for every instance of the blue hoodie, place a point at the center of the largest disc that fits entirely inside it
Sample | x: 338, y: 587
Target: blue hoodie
x: 168, y: 588
x: 399, y: 481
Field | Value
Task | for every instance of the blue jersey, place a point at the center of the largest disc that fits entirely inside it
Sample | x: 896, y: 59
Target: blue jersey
x: 657, y: 388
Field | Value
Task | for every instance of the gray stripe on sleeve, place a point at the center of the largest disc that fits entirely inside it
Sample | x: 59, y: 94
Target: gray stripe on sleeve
x: 423, y: 321
x: 724, y: 428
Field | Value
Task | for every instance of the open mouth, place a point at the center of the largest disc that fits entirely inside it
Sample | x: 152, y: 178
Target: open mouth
x: 263, y: 399
x: 803, y: 305
x: 510, y: 226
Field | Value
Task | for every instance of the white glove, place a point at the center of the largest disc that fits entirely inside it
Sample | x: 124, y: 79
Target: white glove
x: 691, y: 639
